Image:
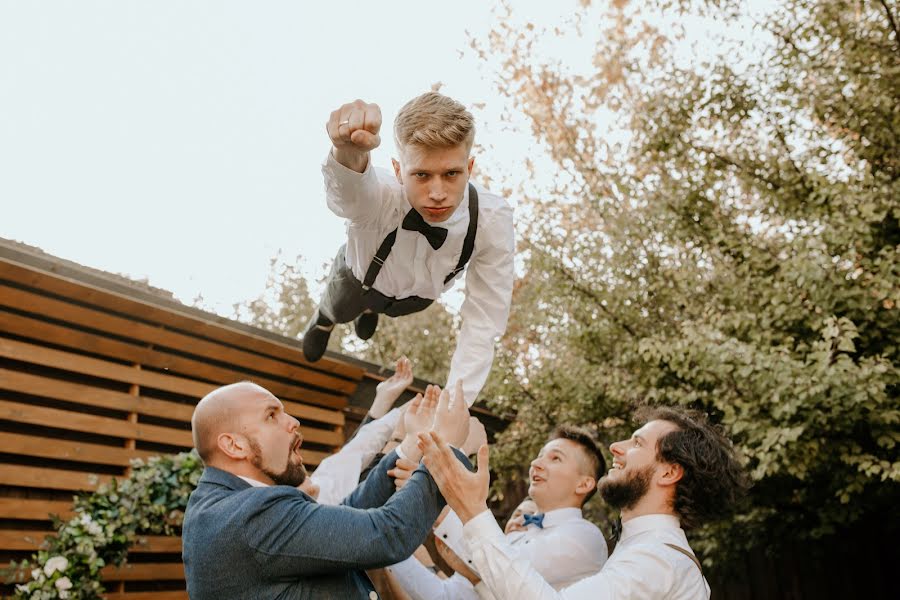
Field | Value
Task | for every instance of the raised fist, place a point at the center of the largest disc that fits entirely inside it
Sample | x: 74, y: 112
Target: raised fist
x: 355, y: 127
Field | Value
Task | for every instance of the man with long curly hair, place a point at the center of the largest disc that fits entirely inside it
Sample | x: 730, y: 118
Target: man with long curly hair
x: 675, y: 472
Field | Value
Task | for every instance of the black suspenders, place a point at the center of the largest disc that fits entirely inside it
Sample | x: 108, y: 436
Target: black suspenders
x: 468, y: 246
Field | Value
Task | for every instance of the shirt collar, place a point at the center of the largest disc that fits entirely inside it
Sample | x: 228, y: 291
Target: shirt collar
x: 648, y: 523
x: 254, y: 482
x: 560, y: 516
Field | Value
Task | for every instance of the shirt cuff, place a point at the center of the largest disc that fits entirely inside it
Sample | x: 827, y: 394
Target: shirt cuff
x: 399, y: 451
x: 340, y: 170
x: 481, y: 528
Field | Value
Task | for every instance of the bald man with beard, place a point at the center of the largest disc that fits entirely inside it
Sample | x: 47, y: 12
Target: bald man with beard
x: 250, y: 533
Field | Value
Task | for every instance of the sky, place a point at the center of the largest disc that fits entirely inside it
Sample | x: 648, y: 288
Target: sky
x: 181, y: 141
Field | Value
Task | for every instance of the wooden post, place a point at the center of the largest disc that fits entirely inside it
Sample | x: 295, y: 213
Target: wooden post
x: 131, y: 443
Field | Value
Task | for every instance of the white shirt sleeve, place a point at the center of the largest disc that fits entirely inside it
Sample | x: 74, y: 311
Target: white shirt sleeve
x: 338, y: 474
x: 485, y: 310
x: 359, y: 197
x: 450, y: 531
x: 637, y: 572
x: 422, y: 584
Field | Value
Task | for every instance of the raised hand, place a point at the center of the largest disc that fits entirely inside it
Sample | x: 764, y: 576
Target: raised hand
x: 353, y: 129
x: 419, y: 417
x: 476, y: 439
x: 452, y: 418
x: 387, y: 392
x: 465, y: 492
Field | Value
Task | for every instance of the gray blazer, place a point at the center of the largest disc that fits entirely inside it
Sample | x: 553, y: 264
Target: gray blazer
x: 247, y: 542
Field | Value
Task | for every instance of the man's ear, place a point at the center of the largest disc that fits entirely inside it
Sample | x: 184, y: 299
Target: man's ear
x: 396, y: 164
x: 234, y: 446
x: 585, y: 485
x: 471, y: 164
x: 670, y: 474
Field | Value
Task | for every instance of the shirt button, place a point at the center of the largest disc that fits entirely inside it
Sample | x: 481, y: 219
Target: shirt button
x: 373, y: 595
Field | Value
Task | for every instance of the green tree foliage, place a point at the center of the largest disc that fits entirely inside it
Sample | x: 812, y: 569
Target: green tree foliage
x: 721, y: 234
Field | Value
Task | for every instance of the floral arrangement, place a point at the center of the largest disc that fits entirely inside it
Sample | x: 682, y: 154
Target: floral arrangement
x: 105, y: 524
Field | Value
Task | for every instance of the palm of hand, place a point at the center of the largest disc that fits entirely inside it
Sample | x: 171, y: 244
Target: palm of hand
x: 395, y: 384
x: 417, y: 422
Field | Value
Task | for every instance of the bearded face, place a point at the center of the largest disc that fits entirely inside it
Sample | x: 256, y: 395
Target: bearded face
x: 293, y: 473
x: 625, y: 492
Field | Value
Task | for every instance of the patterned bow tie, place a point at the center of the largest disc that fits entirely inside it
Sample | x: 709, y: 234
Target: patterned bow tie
x: 537, y: 519
x: 436, y: 236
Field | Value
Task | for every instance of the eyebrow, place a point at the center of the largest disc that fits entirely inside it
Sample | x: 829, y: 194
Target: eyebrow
x: 638, y: 437
x: 271, y: 406
x: 414, y: 169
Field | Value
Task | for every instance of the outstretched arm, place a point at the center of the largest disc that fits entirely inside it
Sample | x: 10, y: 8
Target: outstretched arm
x: 485, y: 310
x: 353, y: 189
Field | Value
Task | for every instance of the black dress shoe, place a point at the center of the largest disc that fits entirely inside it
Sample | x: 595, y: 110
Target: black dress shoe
x: 365, y: 325
x: 315, y: 338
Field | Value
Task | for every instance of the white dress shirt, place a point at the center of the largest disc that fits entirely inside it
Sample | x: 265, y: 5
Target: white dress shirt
x: 641, y: 567
x: 567, y: 549
x: 374, y: 204
x: 338, y: 474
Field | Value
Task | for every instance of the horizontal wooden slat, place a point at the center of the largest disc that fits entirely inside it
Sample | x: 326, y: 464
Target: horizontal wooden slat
x: 48, y: 387
x: 31, y: 509
x: 29, y: 445
x: 30, y: 540
x: 73, y: 421
x: 132, y: 329
x: 54, y: 479
x: 37, y: 329
x: 168, y: 595
x: 209, y: 325
x: 13, y: 539
x: 157, y: 543
x: 67, y: 361
x: 167, y: 571
x: 144, y: 572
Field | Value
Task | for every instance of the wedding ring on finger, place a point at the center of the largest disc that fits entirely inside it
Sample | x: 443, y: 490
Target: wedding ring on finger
x: 347, y: 122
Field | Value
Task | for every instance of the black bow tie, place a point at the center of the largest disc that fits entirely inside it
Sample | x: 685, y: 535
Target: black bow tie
x: 436, y: 236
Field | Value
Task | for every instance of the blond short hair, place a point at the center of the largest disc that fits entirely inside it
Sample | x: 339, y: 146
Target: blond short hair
x: 433, y: 120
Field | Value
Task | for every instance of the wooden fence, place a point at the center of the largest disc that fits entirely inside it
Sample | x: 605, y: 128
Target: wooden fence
x: 95, y: 372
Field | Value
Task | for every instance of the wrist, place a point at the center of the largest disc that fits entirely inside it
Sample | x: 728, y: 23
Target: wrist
x: 352, y: 159
x: 469, y: 510
x: 410, y: 449
x: 376, y: 411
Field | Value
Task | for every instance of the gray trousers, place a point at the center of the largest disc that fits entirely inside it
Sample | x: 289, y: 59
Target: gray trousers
x: 345, y: 299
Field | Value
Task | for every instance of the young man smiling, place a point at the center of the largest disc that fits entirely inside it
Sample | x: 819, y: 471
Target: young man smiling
x: 676, y: 471
x: 412, y: 231
x: 557, y: 541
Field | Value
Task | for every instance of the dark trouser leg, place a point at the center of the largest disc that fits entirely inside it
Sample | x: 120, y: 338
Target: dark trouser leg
x: 342, y: 302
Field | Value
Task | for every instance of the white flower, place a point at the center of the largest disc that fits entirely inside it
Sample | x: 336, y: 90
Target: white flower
x: 54, y: 564
x: 63, y: 594
x: 35, y: 573
x: 63, y: 584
